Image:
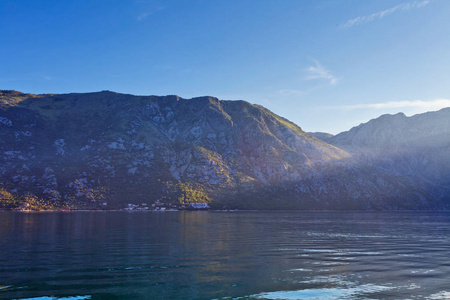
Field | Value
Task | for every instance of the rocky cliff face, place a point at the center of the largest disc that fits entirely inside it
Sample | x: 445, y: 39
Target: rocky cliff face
x: 107, y: 149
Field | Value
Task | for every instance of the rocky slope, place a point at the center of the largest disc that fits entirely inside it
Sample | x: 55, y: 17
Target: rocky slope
x: 104, y: 150
x: 324, y: 136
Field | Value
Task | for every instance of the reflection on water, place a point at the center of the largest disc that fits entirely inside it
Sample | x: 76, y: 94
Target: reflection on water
x: 218, y: 255
x: 59, y: 298
x: 325, y: 293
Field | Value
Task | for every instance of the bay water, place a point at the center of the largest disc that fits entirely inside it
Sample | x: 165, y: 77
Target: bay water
x: 225, y: 255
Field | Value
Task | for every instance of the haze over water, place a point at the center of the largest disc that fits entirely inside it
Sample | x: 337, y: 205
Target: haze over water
x: 225, y: 255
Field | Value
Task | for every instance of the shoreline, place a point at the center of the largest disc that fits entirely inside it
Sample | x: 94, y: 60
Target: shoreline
x: 215, y: 210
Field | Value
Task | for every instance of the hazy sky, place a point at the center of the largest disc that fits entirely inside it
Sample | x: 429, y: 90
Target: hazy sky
x: 325, y: 65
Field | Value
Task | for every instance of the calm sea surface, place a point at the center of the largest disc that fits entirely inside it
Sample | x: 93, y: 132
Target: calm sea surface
x: 224, y: 255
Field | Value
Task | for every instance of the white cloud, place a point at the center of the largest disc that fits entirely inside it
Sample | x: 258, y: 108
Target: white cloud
x: 420, y: 104
x: 381, y: 14
x: 317, y: 71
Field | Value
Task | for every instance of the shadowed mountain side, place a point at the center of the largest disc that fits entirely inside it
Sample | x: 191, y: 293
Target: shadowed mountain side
x: 416, y: 147
x: 107, y: 149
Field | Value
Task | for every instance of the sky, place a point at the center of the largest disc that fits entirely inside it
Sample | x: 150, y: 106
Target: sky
x: 325, y: 65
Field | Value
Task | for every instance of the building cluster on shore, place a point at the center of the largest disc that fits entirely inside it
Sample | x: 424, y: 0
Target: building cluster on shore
x: 162, y: 206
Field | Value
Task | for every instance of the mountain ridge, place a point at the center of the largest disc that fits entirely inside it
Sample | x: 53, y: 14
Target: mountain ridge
x: 416, y: 147
x: 427, y: 119
x: 88, y: 149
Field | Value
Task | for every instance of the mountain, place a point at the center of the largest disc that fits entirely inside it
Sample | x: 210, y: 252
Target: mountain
x: 416, y: 147
x: 323, y: 136
x: 106, y: 150
x: 396, y: 132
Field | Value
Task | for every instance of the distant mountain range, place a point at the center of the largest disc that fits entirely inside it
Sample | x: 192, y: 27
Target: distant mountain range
x: 105, y: 150
x: 416, y: 147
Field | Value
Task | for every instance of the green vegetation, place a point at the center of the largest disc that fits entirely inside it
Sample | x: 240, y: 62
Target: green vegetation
x: 7, y: 200
x: 281, y: 120
x: 9, y: 98
x: 191, y: 193
x: 30, y: 202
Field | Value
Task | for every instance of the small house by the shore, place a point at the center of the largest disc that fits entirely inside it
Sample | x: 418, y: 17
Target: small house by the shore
x: 198, y: 205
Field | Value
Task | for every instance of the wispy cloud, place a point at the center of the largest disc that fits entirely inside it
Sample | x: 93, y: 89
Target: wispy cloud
x: 381, y: 14
x: 317, y: 71
x: 46, y: 77
x: 148, y: 13
x: 420, y: 104
x: 290, y: 92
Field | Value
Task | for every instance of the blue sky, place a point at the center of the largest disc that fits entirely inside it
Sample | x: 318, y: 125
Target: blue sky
x: 325, y: 65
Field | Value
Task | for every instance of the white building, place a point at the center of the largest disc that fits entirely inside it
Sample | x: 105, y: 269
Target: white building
x: 199, y: 205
